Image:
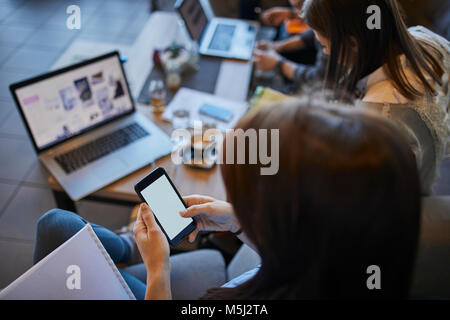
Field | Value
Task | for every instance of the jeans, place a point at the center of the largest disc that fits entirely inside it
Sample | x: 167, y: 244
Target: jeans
x: 57, y: 226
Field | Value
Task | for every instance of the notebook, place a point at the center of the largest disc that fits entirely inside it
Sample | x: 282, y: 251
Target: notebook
x: 79, y: 269
x: 265, y: 96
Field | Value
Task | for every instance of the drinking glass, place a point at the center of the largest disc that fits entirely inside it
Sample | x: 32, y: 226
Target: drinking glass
x: 180, y: 119
x: 157, y: 95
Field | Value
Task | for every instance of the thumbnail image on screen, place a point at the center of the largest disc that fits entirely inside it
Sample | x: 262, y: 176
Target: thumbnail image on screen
x: 64, y: 105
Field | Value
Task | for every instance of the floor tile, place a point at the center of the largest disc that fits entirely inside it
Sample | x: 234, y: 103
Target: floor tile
x: 30, y: 14
x: 16, y: 34
x: 52, y: 38
x: 13, y: 125
x: 12, y: 4
x: 6, y: 191
x: 16, y: 158
x: 8, y: 77
x: 38, y: 175
x: 87, y: 7
x: 5, y: 11
x: 6, y: 50
x: 106, y: 25
x: 135, y: 28
x: 17, y: 257
x: 20, y: 217
x: 6, y: 107
x: 117, y: 9
x: 143, y: 6
x: 32, y: 60
x: 106, y: 37
x: 58, y: 20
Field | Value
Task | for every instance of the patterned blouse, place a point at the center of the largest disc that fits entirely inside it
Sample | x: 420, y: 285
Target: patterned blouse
x: 425, y: 121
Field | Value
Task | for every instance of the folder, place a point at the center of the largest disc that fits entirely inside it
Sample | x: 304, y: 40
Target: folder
x: 79, y: 269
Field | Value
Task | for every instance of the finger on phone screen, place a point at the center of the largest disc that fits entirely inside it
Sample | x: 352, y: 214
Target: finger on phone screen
x: 195, y: 210
x: 196, y: 199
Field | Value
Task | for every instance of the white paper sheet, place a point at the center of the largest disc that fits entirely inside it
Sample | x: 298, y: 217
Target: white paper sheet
x: 192, y: 100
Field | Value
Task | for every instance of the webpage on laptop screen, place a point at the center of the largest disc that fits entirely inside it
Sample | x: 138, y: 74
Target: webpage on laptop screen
x: 64, y: 105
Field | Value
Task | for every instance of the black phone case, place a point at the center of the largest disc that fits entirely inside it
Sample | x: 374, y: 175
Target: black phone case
x: 144, y: 183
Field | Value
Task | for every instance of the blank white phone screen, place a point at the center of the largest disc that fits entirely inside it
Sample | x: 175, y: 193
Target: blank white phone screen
x: 166, y: 205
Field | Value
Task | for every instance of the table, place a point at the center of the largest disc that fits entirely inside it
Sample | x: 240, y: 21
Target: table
x: 161, y: 29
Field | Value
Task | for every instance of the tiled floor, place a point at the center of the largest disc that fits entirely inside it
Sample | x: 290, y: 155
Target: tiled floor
x: 33, y: 35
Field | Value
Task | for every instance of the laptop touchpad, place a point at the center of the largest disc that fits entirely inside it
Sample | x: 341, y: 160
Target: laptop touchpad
x: 110, y: 169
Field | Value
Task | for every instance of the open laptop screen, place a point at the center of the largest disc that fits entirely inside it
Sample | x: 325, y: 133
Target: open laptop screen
x: 61, y: 105
x: 193, y: 16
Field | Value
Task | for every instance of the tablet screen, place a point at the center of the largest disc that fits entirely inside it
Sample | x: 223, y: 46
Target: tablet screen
x: 194, y: 18
x: 166, y: 205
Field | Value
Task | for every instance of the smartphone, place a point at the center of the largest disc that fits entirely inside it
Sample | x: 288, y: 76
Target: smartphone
x: 158, y: 191
x: 216, y: 112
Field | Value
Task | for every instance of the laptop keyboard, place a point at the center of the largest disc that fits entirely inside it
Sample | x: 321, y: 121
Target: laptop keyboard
x: 94, y: 150
x: 223, y: 37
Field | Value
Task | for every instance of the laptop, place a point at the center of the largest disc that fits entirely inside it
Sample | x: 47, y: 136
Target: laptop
x: 84, y: 126
x: 219, y: 37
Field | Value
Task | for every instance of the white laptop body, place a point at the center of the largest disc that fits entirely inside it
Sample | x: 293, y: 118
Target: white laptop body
x: 220, y: 37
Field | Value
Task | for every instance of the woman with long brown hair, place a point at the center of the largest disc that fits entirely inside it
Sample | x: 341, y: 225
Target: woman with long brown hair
x: 399, y: 72
x: 346, y: 197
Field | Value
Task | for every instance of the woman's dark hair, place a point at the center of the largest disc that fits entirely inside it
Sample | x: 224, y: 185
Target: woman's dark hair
x: 344, y: 23
x: 346, y: 196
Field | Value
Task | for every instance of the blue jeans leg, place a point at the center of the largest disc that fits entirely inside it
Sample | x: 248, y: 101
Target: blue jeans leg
x: 57, y: 226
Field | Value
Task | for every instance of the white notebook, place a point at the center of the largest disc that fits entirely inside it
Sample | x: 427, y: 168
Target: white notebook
x: 80, y: 269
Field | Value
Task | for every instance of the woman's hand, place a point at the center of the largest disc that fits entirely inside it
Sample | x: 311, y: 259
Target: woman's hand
x: 266, y: 45
x: 275, y: 16
x: 151, y: 241
x: 210, y: 215
x: 266, y: 60
x: 154, y: 249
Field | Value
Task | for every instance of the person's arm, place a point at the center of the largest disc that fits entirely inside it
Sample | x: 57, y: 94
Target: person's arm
x: 297, y: 42
x: 291, y: 44
x: 210, y: 215
x: 275, y: 16
x: 158, y: 284
x: 213, y: 215
x: 154, y: 249
x: 288, y: 68
x: 306, y: 73
x: 308, y: 38
x: 270, y: 60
